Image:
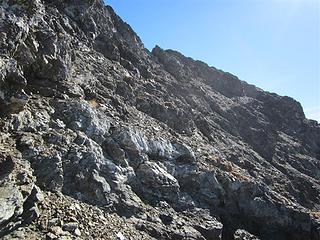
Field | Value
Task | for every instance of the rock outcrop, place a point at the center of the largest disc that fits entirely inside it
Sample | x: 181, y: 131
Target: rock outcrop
x: 102, y: 139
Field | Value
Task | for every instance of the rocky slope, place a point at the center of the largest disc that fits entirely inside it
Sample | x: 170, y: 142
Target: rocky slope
x: 102, y: 139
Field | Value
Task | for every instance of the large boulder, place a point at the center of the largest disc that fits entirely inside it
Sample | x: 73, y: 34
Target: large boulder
x: 155, y: 183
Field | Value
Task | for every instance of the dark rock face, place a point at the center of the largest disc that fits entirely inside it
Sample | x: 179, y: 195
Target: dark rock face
x: 181, y: 150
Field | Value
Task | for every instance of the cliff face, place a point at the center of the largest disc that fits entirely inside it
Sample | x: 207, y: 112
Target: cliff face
x: 100, y: 138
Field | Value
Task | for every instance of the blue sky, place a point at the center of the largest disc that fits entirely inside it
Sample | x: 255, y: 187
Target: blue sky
x: 274, y: 44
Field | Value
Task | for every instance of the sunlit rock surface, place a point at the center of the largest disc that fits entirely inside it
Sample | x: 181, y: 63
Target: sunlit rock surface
x: 102, y: 139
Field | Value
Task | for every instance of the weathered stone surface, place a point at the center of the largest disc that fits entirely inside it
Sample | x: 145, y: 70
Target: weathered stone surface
x: 70, y: 227
x: 11, y: 203
x: 155, y: 182
x: 244, y: 235
x: 195, y: 224
x: 179, y: 149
